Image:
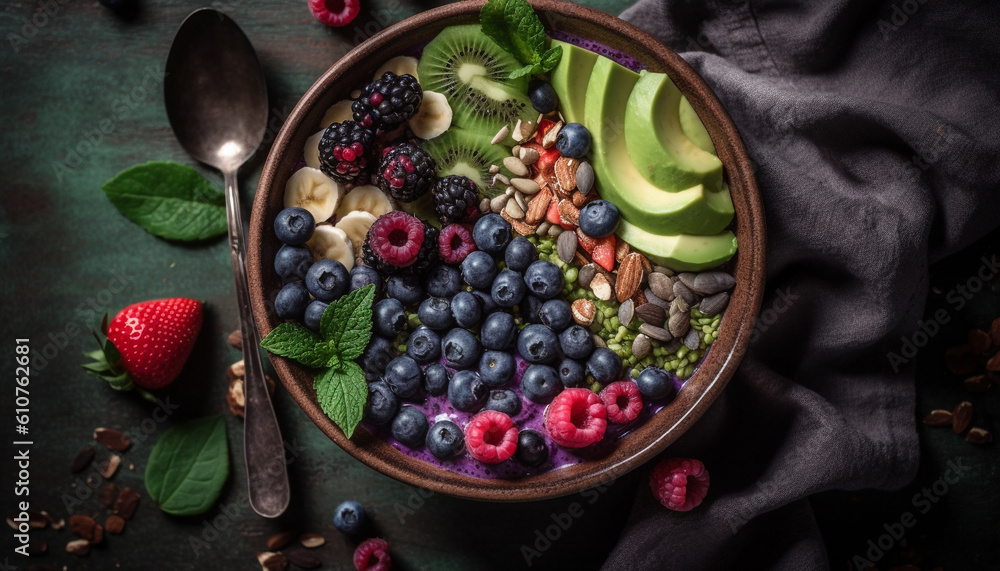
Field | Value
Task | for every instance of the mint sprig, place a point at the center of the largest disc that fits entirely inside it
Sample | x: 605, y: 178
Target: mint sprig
x: 515, y: 27
x: 344, y: 332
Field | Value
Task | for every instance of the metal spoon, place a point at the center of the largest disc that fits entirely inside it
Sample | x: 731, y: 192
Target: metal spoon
x: 216, y: 100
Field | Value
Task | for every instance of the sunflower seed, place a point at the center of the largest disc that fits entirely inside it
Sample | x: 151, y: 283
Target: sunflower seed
x: 687, y: 278
x: 501, y: 135
x: 528, y: 155
x: 678, y: 305
x: 498, y: 202
x: 566, y: 246
x: 679, y: 324
x: 515, y: 166
x: 626, y: 311
x: 484, y: 206
x: 494, y: 169
x: 653, y: 332
x: 641, y: 346
x: 521, y: 201
x: 551, y: 135
x: 516, y: 150
x: 682, y: 291
x: 543, y: 228
x: 584, y: 178
x: 525, y: 185
x: 527, y: 130
x: 555, y: 230
x: 652, y: 314
x: 707, y: 283
x: 664, y: 270
x: 692, y: 340
x: 514, y: 210
x: 653, y: 298
x: 517, y: 132
x: 714, y: 304
x: 501, y: 179
x: 510, y: 190
x: 599, y: 341
x: 662, y: 286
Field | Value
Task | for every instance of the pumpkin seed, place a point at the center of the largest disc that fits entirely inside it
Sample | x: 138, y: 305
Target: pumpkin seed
x: 566, y: 246
x: 714, y: 304
x: 662, y: 286
x: 653, y: 332
x: 626, y: 311
x: 682, y: 291
x: 707, y: 283
x: 652, y: 314
x: 679, y: 324
x: 641, y: 346
x: 584, y: 178
x: 692, y: 340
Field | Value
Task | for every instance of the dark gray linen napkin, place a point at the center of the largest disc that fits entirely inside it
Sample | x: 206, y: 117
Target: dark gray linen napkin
x: 875, y: 129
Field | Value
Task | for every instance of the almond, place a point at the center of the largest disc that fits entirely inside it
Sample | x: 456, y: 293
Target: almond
x: 110, y: 466
x: 961, y: 417
x: 960, y: 360
x: 583, y: 311
x: 520, y: 226
x: 82, y: 459
x: 112, y: 439
x: 622, y: 249
x: 630, y: 275
x: 938, y: 417
x: 127, y: 502
x: 993, y: 365
x: 538, y: 206
x: 281, y: 539
x: 115, y: 524
x: 601, y: 286
x: 108, y: 495
x: 579, y: 199
x: 979, y: 341
x: 566, y: 173
x: 977, y: 384
x: 569, y: 213
x: 979, y: 436
x: 312, y: 540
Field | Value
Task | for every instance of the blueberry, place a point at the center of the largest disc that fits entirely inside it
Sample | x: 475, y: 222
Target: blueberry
x: 538, y: 344
x: 294, y: 226
x: 573, y: 141
x: 520, y: 253
x: 467, y: 392
x: 544, y: 279
x: 292, y: 262
x: 576, y: 342
x: 445, y: 440
x: 478, y: 270
x: 349, y: 518
x: 424, y: 345
x: 599, y: 219
x: 364, y: 275
x: 531, y: 448
x: 327, y: 280
x: 435, y: 313
x: 556, y: 313
x: 404, y: 376
x: 377, y: 355
x: 388, y: 317
x: 443, y: 281
x: 291, y: 301
x: 543, y: 97
x: 406, y: 289
x: 497, y: 368
x: 604, y: 365
x: 540, y: 384
x: 498, y: 331
x: 505, y: 401
x: 492, y: 234
x: 436, y: 378
x: 531, y: 307
x: 461, y: 349
x: 410, y: 426
x: 467, y: 310
x: 654, y: 384
x: 314, y: 314
x: 485, y: 301
x: 571, y: 372
x: 382, y: 403
x: 508, y: 289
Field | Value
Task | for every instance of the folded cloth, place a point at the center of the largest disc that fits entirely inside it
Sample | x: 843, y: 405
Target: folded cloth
x: 875, y: 129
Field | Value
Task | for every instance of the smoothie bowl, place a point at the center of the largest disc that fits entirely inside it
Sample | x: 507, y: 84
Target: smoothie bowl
x: 502, y: 264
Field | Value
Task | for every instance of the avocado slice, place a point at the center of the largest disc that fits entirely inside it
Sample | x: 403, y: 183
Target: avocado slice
x: 694, y: 128
x: 695, y: 210
x: 661, y: 151
x: 681, y: 252
x: 569, y: 79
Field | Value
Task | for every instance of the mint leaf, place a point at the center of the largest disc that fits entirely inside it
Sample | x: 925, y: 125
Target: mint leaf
x: 526, y: 70
x: 188, y: 466
x: 550, y: 59
x: 169, y: 200
x: 529, y: 34
x: 494, y: 25
x: 515, y: 27
x: 296, y: 342
x: 342, y: 394
x: 347, y: 323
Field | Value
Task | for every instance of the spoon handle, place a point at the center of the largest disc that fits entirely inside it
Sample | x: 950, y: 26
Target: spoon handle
x: 263, y: 448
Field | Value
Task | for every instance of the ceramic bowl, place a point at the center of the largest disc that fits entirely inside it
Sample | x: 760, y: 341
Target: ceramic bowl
x: 638, y: 446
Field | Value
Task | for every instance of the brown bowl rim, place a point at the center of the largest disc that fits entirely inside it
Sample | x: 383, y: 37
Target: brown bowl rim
x: 701, y: 390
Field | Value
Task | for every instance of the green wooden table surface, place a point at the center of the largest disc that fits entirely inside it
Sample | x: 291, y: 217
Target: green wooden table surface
x: 81, y: 100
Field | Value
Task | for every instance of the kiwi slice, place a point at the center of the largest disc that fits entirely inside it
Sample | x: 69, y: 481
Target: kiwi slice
x: 467, y: 153
x: 472, y: 72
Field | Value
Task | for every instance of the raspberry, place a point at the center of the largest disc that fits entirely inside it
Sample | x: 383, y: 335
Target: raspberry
x: 406, y: 172
x: 576, y: 418
x: 346, y: 151
x: 395, y: 238
x: 456, y: 199
x: 388, y: 102
x: 491, y: 437
x: 455, y: 243
x: 679, y: 483
x: 335, y: 13
x: 372, y: 555
x: 623, y: 401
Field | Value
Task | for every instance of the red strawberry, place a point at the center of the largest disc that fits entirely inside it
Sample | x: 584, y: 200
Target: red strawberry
x: 604, y: 253
x: 148, y: 343
x: 335, y: 13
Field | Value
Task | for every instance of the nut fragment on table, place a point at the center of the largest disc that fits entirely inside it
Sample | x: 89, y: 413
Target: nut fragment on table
x: 235, y: 396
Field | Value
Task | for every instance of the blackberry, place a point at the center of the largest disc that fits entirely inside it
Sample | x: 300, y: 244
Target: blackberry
x: 346, y: 151
x: 406, y: 172
x: 456, y: 200
x: 426, y: 257
x: 388, y: 102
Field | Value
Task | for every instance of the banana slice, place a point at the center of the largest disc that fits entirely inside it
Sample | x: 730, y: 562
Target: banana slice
x: 311, y: 150
x: 314, y: 191
x: 330, y: 243
x: 338, y: 113
x: 433, y: 117
x: 400, y: 65
x: 356, y: 225
x: 366, y: 198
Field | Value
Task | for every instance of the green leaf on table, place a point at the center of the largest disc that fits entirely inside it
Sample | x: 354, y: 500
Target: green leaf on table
x: 347, y: 323
x: 169, y: 200
x: 342, y: 394
x: 188, y: 466
x: 294, y: 341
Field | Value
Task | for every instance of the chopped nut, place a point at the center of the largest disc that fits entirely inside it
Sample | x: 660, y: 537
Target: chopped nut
x: 82, y: 459
x: 501, y: 135
x: 551, y: 135
x: 311, y: 540
x: 238, y: 369
x: 303, y: 559
x: 601, y: 286
x: 538, y: 206
x: 583, y: 311
x: 977, y: 384
x: 565, y: 169
x: 979, y: 436
x: 79, y: 547
x: 630, y: 275
x: 569, y: 213
x: 115, y: 524
x: 281, y: 539
x: 127, y: 502
x: 85, y: 527
x: 938, y: 417
x: 961, y: 417
x: 236, y: 339
x: 236, y: 395
x: 110, y: 466
x: 108, y: 495
x: 112, y: 439
x: 272, y: 561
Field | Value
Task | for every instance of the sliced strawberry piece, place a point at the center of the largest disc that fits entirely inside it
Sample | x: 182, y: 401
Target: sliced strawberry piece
x: 491, y: 437
x: 576, y: 418
x: 543, y: 127
x: 547, y: 161
x: 604, y: 252
x: 586, y: 242
x: 680, y: 484
x: 623, y: 401
x: 552, y: 214
x: 335, y: 13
